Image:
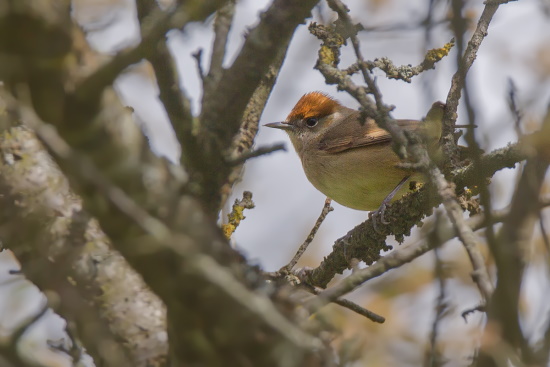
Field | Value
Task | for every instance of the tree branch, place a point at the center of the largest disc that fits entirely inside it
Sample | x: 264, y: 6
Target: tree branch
x: 71, y: 245
x: 365, y: 244
x: 155, y: 243
x: 222, y: 109
x: 406, y: 254
x: 176, y: 103
x: 513, y: 242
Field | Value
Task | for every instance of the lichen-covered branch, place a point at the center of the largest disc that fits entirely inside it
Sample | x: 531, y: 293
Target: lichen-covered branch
x: 365, y: 244
x: 404, y: 72
x: 406, y: 254
x: 236, y: 215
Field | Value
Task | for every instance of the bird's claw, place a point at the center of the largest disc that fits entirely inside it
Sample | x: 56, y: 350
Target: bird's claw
x: 380, y: 215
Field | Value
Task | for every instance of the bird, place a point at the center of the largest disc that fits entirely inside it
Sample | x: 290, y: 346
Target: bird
x: 350, y: 161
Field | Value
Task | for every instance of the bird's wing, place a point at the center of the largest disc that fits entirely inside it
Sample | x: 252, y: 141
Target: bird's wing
x: 345, y: 136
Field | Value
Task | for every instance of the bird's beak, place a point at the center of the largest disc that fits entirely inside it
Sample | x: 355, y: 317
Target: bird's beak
x: 280, y: 125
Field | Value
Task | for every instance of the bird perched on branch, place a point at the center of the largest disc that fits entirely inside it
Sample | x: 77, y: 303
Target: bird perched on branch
x: 349, y: 161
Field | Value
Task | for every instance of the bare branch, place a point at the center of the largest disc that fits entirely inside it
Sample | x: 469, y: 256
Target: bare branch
x: 256, y: 153
x: 480, y: 274
x: 154, y: 28
x: 222, y: 25
x: 360, y: 310
x: 176, y: 103
x: 327, y: 208
x: 468, y: 58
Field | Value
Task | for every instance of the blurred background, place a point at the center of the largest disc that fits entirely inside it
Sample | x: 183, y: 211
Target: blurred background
x: 287, y: 205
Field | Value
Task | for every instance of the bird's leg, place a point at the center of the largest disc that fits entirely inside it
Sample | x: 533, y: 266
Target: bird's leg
x: 382, y: 209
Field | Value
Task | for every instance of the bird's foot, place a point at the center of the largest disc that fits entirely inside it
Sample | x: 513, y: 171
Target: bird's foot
x: 379, y: 215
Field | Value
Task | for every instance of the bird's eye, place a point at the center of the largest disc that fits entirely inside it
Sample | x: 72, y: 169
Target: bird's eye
x: 311, y: 121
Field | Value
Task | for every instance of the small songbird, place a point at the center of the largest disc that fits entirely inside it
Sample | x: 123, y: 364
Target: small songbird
x: 350, y: 162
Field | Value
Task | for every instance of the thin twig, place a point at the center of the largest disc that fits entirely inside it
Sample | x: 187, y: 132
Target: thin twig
x: 197, y: 55
x: 353, y: 307
x: 327, y: 208
x: 360, y: 310
x: 434, y: 358
x: 457, y: 82
x: 256, y: 153
x: 158, y: 24
x: 222, y: 25
x: 480, y: 275
x: 513, y: 106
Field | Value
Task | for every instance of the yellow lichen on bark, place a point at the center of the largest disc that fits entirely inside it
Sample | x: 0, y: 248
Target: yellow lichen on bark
x: 236, y: 215
x: 437, y: 54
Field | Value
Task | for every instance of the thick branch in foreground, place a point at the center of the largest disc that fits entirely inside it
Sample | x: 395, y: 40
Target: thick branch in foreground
x: 174, y: 267
x: 71, y: 245
x: 116, y: 190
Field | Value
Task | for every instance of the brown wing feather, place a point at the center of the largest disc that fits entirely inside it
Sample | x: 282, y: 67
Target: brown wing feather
x: 350, y: 134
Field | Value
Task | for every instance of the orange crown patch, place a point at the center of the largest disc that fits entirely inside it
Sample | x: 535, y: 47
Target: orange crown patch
x: 314, y: 104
